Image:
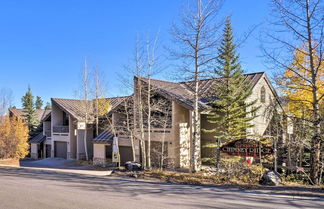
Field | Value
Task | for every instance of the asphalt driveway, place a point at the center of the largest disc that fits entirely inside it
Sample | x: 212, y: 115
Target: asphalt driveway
x: 30, y: 188
x: 58, y: 163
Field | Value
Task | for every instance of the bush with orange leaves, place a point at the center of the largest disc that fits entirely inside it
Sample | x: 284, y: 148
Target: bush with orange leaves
x: 13, y: 138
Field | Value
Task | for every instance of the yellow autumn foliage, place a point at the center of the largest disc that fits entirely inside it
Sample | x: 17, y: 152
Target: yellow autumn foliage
x: 13, y: 138
x: 298, y: 87
x: 103, y: 106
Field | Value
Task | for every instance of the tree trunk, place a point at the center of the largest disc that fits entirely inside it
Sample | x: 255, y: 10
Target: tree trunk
x: 275, y: 152
x: 141, y: 121
x: 316, y: 139
x: 143, y: 151
x: 133, y: 147
x: 196, y: 127
x: 218, y: 155
x: 85, y: 139
x: 196, y: 122
x: 289, y: 151
x: 316, y: 142
x: 149, y: 124
x: 97, y: 116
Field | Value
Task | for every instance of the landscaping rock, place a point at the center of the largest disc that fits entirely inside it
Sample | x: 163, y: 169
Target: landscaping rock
x: 271, y: 178
x: 133, y: 166
x: 134, y: 175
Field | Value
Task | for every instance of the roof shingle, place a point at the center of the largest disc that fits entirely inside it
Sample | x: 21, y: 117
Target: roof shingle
x: 77, y: 108
x: 183, y: 92
x: 40, y: 113
x: 104, y: 137
x: 38, y: 138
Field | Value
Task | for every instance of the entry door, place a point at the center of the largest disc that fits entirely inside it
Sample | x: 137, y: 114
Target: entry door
x: 39, y: 151
x: 48, y: 150
x: 126, y: 154
x: 60, y: 149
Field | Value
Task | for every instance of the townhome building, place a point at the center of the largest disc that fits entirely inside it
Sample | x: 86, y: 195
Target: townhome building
x: 40, y: 145
x: 72, y: 131
x: 171, y: 129
x: 73, y: 127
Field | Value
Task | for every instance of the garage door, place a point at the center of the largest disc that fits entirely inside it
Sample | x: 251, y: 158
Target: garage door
x: 125, y: 154
x: 60, y: 149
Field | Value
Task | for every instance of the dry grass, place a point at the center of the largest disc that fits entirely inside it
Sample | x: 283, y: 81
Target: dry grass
x: 186, y: 178
x: 196, y: 178
x: 84, y: 162
x: 9, y: 162
x: 203, y: 179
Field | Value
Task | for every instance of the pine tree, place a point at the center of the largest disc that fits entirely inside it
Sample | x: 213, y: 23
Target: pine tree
x: 48, y: 106
x: 29, y: 111
x: 38, y: 103
x: 230, y: 114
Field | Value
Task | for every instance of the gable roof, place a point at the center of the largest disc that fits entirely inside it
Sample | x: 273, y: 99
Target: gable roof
x: 173, y: 90
x: 77, y: 108
x: 40, y: 114
x: 207, y: 85
x: 116, y: 101
x: 74, y: 107
x: 183, y: 92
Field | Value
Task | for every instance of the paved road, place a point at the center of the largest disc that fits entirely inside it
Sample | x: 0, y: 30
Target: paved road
x: 30, y: 188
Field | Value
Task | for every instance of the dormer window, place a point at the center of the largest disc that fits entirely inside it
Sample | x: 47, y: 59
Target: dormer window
x: 263, y: 94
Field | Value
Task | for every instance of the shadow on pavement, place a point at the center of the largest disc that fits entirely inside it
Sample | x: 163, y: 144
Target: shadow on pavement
x: 58, y: 163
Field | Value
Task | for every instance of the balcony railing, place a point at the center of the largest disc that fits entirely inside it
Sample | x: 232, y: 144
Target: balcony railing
x: 159, y: 130
x: 60, y: 129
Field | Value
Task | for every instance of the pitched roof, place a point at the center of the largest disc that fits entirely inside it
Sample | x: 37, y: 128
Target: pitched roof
x: 77, y: 108
x: 47, y: 112
x: 174, y: 90
x: 207, y: 85
x: 40, y: 113
x: 38, y: 138
x: 104, y: 137
x: 115, y: 101
x: 183, y: 92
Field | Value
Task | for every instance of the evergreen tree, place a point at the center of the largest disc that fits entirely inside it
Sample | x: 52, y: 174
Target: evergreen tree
x: 38, y: 103
x: 48, y: 106
x: 231, y: 113
x: 29, y: 111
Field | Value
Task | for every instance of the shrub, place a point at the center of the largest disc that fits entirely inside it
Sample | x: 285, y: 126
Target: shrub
x: 235, y: 169
x: 13, y: 138
x: 233, y: 172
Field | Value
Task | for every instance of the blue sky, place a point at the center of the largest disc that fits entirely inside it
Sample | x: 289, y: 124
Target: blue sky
x: 43, y: 43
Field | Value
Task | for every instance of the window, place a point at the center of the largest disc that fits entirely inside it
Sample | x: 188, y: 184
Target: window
x: 263, y: 94
x: 65, y: 119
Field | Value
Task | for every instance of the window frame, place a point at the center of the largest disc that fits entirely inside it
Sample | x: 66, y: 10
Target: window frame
x: 263, y: 94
